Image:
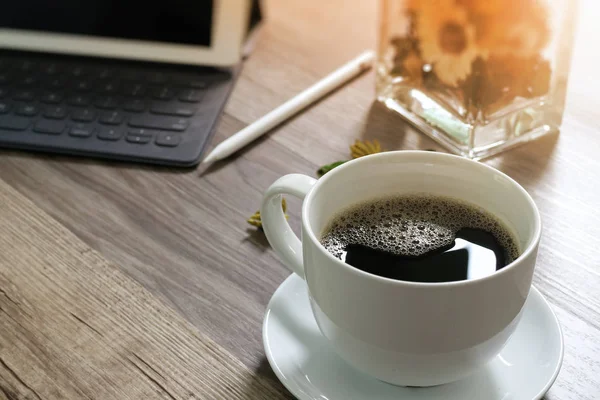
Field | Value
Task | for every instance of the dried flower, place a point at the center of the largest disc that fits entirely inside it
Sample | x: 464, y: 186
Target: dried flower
x: 447, y: 40
x: 361, y: 149
x: 402, y: 46
x: 412, y: 66
x: 256, y: 221
x: 357, y: 150
x: 509, y: 27
x: 495, y: 82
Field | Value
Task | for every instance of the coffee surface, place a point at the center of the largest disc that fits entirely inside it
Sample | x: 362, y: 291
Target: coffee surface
x: 421, y: 238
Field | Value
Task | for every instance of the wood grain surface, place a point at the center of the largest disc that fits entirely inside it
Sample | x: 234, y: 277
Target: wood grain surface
x: 182, y: 233
x: 73, y: 326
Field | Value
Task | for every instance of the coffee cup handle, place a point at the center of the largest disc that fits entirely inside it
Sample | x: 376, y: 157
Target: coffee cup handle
x: 281, y: 237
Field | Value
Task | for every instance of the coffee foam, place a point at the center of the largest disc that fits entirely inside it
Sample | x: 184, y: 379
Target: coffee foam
x: 411, y: 226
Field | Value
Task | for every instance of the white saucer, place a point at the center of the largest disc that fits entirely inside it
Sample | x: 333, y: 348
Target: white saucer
x: 309, y: 368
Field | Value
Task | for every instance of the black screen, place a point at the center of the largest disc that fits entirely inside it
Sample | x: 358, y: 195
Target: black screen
x: 170, y: 21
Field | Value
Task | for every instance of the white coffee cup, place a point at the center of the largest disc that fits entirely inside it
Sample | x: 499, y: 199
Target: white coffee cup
x: 407, y: 333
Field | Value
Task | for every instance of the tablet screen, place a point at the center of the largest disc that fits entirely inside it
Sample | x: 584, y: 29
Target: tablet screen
x: 167, y: 21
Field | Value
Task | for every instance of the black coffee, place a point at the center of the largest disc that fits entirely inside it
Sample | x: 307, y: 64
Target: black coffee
x: 421, y: 239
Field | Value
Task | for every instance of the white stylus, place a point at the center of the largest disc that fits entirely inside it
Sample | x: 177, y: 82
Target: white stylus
x: 291, y: 107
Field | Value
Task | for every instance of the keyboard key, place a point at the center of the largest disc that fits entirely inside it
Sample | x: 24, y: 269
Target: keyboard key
x: 159, y: 122
x: 57, y: 82
x: 77, y: 71
x: 157, y: 77
x: 105, y: 73
x: 50, y: 127
x: 51, y: 68
x: 135, y: 105
x: 4, y: 107
x: 193, y: 82
x: 3, y: 92
x: 139, y: 132
x: 168, y: 139
x: 55, y: 112
x: 129, y: 75
x: 79, y: 100
x: 198, y: 84
x: 25, y: 66
x: 27, y: 110
x: 25, y: 95
x: 164, y: 108
x: 139, y: 139
x: 82, y: 85
x: 81, y: 130
x: 134, y: 89
x: 163, y: 93
x: 107, y: 102
x: 27, y: 81
x: 14, y: 123
x: 107, y: 87
x: 83, y: 115
x: 52, y: 98
x: 110, y: 134
x: 191, y: 95
x: 112, y: 118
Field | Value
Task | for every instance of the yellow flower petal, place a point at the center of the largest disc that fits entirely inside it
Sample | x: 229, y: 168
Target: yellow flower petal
x: 255, y: 219
x: 361, y: 149
x: 447, y: 40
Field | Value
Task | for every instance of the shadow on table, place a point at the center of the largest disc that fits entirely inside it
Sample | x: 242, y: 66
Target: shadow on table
x: 265, y: 385
x: 257, y: 237
x: 530, y: 161
x: 83, y: 161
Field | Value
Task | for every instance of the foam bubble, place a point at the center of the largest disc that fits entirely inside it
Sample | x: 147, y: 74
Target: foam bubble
x: 411, y: 225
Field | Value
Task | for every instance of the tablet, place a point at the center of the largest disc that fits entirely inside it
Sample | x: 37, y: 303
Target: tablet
x: 196, y: 32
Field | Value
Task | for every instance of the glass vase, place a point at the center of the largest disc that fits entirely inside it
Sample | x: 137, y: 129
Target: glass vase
x: 478, y: 76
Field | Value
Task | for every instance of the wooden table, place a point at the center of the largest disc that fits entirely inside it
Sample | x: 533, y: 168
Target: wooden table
x: 120, y: 281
